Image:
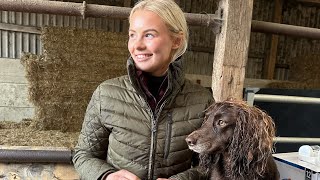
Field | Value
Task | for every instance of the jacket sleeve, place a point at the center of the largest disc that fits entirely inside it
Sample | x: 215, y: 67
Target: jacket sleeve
x: 91, y: 151
x: 194, y: 173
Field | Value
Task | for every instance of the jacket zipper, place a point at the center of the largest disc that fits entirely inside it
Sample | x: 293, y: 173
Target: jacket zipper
x: 154, y: 134
x: 153, y: 145
x: 168, y: 136
x: 153, y: 149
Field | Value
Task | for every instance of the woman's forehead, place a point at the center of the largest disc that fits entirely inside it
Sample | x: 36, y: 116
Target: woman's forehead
x: 143, y: 18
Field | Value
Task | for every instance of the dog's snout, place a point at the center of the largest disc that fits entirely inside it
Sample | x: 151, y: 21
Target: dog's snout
x: 191, y: 141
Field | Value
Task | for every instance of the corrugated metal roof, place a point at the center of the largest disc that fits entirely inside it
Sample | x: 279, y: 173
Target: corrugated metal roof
x: 12, y: 43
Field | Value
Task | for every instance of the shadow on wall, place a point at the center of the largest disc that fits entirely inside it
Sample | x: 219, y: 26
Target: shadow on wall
x: 293, y: 119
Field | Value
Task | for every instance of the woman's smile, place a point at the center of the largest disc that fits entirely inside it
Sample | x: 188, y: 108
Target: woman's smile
x: 143, y: 57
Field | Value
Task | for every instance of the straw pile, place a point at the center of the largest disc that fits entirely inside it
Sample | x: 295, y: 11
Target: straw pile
x: 303, y: 74
x: 306, y: 70
x: 74, y: 63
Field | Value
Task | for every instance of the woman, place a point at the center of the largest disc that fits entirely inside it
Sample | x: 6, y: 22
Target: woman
x: 135, y: 125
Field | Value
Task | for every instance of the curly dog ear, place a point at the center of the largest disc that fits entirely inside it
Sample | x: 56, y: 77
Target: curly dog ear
x: 252, y: 141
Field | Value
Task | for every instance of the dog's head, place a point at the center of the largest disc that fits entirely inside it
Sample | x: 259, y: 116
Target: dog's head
x: 217, y: 130
x: 243, y: 133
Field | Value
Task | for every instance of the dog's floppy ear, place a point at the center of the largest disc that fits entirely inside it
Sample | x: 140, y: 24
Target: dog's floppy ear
x: 241, y: 143
x: 252, y: 141
x: 207, y: 161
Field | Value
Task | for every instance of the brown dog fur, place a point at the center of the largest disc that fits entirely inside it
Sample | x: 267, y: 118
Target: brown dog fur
x: 235, y: 142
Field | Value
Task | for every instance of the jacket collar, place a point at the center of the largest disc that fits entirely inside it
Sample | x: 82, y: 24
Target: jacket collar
x: 175, y: 75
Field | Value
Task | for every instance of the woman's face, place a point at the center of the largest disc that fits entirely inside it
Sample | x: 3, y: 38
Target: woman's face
x: 150, y: 42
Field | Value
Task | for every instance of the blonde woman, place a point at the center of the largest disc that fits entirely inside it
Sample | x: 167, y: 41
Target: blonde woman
x: 135, y: 125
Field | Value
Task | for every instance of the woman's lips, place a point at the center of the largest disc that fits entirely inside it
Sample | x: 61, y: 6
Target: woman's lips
x: 143, y: 57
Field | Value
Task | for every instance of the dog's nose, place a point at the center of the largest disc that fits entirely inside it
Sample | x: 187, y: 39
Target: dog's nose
x: 191, y: 141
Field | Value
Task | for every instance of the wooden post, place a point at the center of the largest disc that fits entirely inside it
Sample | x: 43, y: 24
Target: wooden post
x: 231, y: 49
x: 125, y: 25
x: 270, y: 61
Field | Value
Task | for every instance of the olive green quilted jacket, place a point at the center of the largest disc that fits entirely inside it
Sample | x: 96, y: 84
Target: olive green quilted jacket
x: 120, y: 131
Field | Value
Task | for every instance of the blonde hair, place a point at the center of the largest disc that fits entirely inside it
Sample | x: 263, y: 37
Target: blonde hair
x: 173, y: 17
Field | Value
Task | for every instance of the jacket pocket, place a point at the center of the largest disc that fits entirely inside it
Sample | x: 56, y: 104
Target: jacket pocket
x: 168, y: 136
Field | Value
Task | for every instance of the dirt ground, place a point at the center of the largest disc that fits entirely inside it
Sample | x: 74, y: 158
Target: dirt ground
x: 23, y: 134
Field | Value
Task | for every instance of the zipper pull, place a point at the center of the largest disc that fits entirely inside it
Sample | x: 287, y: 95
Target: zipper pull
x: 170, y: 121
x: 154, y: 127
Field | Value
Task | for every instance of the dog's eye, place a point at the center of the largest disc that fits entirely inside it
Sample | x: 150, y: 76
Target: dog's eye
x: 221, y: 123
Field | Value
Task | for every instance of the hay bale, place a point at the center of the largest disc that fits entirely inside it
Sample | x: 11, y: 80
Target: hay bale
x: 74, y: 63
x: 303, y: 74
x: 306, y: 69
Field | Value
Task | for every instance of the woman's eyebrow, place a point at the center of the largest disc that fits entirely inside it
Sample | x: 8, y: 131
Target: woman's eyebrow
x: 148, y: 30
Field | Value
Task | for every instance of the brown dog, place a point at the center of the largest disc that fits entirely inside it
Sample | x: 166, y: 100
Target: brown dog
x: 235, y: 142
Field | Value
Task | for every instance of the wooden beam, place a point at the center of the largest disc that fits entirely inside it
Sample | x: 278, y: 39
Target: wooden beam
x: 201, y: 49
x: 20, y: 28
x: 270, y: 61
x: 310, y: 1
x: 231, y: 49
x: 205, y: 81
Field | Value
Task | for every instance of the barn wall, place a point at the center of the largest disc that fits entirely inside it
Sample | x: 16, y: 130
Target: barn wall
x: 259, y: 42
x: 198, y: 58
x: 289, y: 47
x: 14, y: 104
x: 14, y: 43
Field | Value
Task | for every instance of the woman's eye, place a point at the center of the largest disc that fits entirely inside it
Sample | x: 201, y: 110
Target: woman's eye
x: 149, y: 36
x: 221, y: 123
x: 131, y: 36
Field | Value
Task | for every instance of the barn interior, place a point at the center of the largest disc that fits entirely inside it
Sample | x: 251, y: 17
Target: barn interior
x: 51, y: 61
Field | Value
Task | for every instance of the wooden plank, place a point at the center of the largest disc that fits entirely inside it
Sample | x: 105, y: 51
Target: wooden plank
x: 270, y: 61
x: 231, y: 49
x: 200, y: 49
x: 310, y: 1
x: 205, y: 81
x: 19, y: 28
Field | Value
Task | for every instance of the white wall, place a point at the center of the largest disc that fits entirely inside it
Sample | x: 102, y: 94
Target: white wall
x: 14, y: 103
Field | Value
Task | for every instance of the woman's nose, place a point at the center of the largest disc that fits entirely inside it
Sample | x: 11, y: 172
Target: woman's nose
x: 139, y: 44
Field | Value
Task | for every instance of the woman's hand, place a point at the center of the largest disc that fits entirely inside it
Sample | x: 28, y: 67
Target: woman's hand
x: 122, y: 175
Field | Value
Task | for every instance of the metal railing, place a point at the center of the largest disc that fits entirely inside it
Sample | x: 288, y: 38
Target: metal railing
x: 251, y: 96
x: 300, y: 140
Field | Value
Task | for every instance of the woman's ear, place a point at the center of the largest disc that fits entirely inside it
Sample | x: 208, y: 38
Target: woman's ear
x: 177, y: 40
